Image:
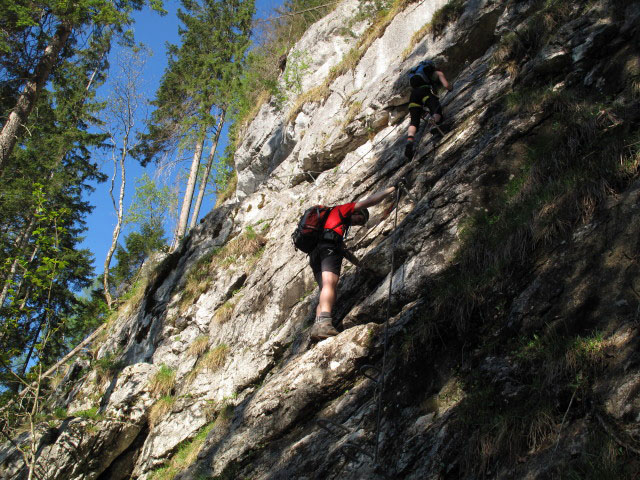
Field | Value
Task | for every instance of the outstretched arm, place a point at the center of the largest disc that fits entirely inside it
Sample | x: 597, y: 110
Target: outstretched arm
x: 443, y: 80
x: 375, y: 198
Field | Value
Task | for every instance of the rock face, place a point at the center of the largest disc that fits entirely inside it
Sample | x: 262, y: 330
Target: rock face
x: 512, y: 334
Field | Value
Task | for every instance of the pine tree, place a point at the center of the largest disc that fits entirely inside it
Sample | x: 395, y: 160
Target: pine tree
x: 56, y: 154
x: 46, y: 34
x: 194, y: 94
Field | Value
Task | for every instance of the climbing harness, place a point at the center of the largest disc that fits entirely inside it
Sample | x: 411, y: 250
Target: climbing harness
x: 372, y: 373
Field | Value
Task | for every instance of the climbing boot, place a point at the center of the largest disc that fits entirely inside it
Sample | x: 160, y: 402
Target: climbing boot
x: 408, y: 150
x: 322, y: 328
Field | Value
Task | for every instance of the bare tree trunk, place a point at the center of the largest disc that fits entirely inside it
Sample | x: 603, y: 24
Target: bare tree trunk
x: 31, y: 91
x: 119, y: 211
x: 188, y: 194
x: 124, y: 106
x: 207, y: 172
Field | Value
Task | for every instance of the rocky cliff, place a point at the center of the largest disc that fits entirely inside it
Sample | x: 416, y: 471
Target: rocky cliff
x: 513, y: 313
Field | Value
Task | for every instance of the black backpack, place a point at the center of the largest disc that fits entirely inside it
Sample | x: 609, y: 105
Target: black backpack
x: 422, y: 74
x: 310, y: 228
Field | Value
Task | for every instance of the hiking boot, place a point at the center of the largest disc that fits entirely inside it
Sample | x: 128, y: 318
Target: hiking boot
x: 408, y: 150
x: 322, y: 328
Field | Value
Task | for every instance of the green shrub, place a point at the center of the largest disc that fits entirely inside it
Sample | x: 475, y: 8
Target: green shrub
x: 60, y: 413
x: 91, y: 413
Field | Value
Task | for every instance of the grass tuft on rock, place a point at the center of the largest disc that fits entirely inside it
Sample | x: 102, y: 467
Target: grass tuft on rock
x: 212, y: 361
x: 446, y: 15
x: 163, y: 381
x: 380, y: 22
x: 198, y: 346
x: 185, y: 456
x: 215, y: 358
x: 249, y: 246
x: 106, y: 367
x: 160, y: 409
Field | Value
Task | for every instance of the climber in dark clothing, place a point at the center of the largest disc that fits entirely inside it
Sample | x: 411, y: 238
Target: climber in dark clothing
x: 326, y: 258
x: 425, y: 79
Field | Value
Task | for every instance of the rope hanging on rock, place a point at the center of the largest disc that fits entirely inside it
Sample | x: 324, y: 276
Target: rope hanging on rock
x: 381, y: 380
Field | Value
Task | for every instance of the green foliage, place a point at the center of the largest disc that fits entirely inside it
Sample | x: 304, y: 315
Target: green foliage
x: 201, y: 73
x: 445, y: 15
x: 185, y: 456
x: 44, y: 182
x: 38, y: 303
x: 107, y: 366
x: 91, y: 414
x: 297, y: 66
x: 150, y: 204
x: 60, y: 413
x: 163, y: 381
x: 370, y: 9
x: 130, y: 258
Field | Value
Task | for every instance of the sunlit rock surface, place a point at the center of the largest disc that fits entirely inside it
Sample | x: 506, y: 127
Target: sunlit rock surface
x: 260, y: 403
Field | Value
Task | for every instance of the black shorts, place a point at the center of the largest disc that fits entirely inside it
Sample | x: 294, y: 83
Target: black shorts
x: 423, y: 97
x: 327, y: 257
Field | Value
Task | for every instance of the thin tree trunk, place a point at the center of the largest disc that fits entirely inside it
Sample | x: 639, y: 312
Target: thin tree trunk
x: 119, y: 210
x: 19, y: 288
x: 207, y: 172
x: 20, y: 243
x: 27, y: 359
x: 188, y: 194
x: 31, y: 91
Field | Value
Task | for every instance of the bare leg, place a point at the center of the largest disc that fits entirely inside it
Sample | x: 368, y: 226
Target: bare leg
x: 328, y: 293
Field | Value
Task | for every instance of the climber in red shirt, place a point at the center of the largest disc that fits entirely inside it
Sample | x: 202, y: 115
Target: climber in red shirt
x: 326, y: 258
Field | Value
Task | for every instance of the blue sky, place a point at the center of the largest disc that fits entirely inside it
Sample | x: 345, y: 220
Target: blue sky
x: 154, y: 31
